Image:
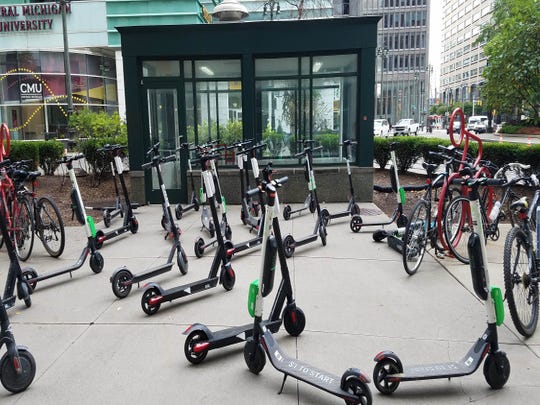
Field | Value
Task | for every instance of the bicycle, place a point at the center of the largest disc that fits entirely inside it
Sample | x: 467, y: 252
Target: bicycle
x: 521, y: 265
x: 48, y: 223
x: 458, y: 220
x: 422, y: 227
x: 19, y: 219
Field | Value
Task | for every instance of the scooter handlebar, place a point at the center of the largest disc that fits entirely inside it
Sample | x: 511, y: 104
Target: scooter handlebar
x: 68, y: 158
x: 4, y: 163
x: 281, y: 181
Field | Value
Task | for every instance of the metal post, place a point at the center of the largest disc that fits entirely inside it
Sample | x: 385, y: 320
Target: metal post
x: 67, y: 66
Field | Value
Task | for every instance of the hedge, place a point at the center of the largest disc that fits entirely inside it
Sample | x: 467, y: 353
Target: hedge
x: 412, y: 148
x: 44, y: 154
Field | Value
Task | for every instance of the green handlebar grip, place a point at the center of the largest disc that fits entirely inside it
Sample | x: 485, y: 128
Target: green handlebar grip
x: 497, y: 297
x: 402, y: 195
x: 252, y: 297
x: 91, y: 224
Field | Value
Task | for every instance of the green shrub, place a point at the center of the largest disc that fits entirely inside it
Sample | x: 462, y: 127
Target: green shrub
x: 49, y: 153
x: 407, y: 151
x: 329, y: 142
x: 25, y: 150
x: 381, y: 151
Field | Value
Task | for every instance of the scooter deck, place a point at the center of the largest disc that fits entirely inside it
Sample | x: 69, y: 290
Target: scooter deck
x: 189, y: 289
x: 151, y: 273
x: 237, y: 334
x: 302, y: 371
x: 466, y: 366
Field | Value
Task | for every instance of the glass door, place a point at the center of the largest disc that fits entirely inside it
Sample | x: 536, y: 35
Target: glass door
x: 163, y: 127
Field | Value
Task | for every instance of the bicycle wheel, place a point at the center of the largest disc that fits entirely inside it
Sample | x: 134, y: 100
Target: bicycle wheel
x: 415, y: 238
x: 457, y: 227
x: 23, y: 229
x: 50, y: 227
x: 521, y: 287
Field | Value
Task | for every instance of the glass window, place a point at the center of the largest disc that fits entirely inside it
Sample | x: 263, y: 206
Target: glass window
x: 9, y: 89
x: 8, y: 62
x: 52, y: 62
x: 55, y: 87
x: 111, y: 92
x: 188, y: 69
x: 228, y: 68
x: 334, y: 64
x: 29, y: 61
x: 161, y: 68
x: 93, y: 65
x: 96, y: 90
x: 77, y: 63
x: 79, y: 89
x: 276, y: 67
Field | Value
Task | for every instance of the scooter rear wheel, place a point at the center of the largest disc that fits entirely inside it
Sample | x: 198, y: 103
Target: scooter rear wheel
x: 288, y: 244
x: 254, y: 356
x: 96, y: 262
x: 98, y: 241
x: 294, y: 321
x: 287, y: 212
x: 178, y: 212
x: 496, y: 370
x: 107, y: 218
x: 356, y: 223
x: 145, y: 301
x: 382, y: 369
x: 182, y: 260
x: 29, y: 275
x: 12, y: 381
x: 199, y: 247
x: 195, y: 337
x: 379, y: 235
x: 118, y: 283
x: 355, y: 386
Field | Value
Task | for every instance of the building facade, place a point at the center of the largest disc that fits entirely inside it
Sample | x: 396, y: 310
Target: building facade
x: 403, y: 72
x: 34, y: 93
x: 463, y: 59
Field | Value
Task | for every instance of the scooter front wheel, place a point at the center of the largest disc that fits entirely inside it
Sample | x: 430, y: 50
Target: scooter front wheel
x: 289, y: 246
x: 254, y: 356
x: 379, y: 235
x: 356, y: 223
x: 355, y: 386
x: 121, y: 285
x: 325, y: 216
x: 96, y: 262
x: 322, y: 233
x: 496, y: 369
x: 23, y: 292
x: 150, y: 309
x: 383, y: 368
x: 228, y: 278
x: 294, y: 321
x: 107, y: 218
x: 355, y: 210
x: 402, y: 221
x: 312, y: 206
x: 134, y: 225
x: 182, y: 260
x: 13, y: 381
x: 194, y: 338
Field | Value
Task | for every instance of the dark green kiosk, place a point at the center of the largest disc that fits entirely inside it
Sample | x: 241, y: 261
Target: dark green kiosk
x: 272, y: 81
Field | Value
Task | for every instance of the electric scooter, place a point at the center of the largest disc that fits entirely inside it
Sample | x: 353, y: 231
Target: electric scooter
x: 397, y: 216
x: 226, y: 231
x: 14, y: 275
x: 389, y: 371
x: 154, y: 294
x: 309, y: 202
x: 194, y: 201
x: 130, y: 222
x: 201, y: 339
x: 352, y: 207
x: 96, y: 259
x: 122, y: 278
x: 320, y: 227
x: 351, y: 386
x: 249, y: 213
x: 17, y: 365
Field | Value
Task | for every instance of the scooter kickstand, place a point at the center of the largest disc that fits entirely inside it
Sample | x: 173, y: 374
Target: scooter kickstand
x: 283, y: 384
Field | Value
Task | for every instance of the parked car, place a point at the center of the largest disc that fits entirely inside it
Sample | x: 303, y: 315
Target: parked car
x: 406, y: 126
x: 477, y: 123
x: 381, y: 127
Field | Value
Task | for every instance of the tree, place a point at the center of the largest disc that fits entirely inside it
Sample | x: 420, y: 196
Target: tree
x: 512, y: 46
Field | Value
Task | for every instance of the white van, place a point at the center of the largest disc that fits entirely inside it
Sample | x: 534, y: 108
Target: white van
x: 477, y: 123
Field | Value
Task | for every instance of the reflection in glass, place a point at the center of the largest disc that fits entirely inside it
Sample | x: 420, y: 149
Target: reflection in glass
x: 161, y: 68
x: 163, y: 127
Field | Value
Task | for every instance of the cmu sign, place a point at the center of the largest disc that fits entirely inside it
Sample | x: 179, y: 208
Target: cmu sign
x: 29, y: 17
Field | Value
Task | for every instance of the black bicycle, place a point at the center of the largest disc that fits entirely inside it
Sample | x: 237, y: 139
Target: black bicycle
x: 521, y: 265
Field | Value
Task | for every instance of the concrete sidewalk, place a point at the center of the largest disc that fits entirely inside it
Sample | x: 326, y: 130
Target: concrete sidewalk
x: 92, y: 348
